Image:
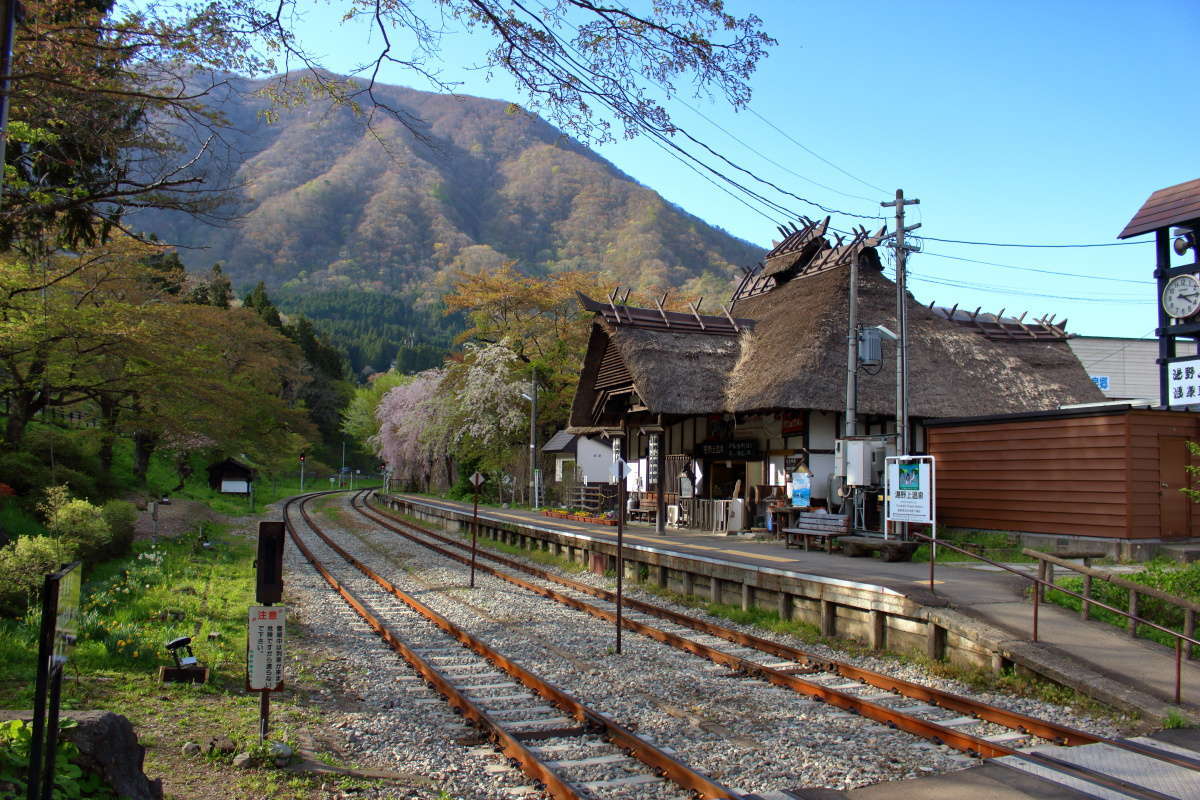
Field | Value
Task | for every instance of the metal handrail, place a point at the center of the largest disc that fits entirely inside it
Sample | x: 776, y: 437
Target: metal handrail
x: 1038, y: 583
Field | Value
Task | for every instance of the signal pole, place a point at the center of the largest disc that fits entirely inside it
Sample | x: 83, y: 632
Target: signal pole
x: 901, y: 322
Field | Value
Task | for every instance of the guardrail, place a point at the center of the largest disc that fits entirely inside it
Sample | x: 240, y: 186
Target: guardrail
x: 1047, y: 562
x: 1039, y: 586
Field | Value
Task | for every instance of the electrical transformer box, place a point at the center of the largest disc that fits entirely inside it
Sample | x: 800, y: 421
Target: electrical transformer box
x: 859, y: 461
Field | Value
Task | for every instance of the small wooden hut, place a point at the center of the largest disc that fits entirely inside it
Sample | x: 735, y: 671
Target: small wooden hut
x: 230, y: 477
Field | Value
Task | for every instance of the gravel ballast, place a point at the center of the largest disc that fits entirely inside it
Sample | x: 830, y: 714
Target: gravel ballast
x: 748, y: 734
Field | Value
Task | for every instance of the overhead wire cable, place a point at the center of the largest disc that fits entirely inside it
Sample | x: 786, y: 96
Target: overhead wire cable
x: 604, y: 98
x: 630, y: 113
x: 1035, y: 269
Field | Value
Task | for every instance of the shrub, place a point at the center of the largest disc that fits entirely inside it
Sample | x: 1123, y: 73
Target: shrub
x: 81, y: 527
x: 120, y: 516
x: 24, y: 473
x: 80, y: 484
x: 23, y: 565
x: 77, y: 523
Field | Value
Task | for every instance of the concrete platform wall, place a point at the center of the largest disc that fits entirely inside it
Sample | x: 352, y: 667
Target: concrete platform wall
x: 877, y: 618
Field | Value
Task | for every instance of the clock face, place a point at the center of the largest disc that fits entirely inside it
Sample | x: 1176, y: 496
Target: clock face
x: 1181, y: 296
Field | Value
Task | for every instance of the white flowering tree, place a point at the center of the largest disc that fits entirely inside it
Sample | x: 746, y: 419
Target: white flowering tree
x: 488, y: 396
x: 406, y: 431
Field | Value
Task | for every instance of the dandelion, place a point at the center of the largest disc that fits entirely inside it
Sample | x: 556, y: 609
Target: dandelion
x: 120, y: 642
x: 135, y: 653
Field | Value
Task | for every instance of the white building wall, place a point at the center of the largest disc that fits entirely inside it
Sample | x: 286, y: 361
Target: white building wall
x: 594, y: 458
x: 1127, y: 366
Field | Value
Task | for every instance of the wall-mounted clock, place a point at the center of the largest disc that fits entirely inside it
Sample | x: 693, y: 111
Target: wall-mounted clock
x: 1181, y: 296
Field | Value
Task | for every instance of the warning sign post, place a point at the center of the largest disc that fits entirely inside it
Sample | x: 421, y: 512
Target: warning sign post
x: 264, y: 648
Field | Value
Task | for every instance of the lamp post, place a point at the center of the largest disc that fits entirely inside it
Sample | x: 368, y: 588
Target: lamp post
x: 533, y: 470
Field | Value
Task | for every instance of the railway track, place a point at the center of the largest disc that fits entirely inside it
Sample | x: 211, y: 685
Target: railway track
x: 966, y: 724
x: 575, y: 752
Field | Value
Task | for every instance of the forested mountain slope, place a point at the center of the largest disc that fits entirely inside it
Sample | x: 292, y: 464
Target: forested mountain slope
x: 330, y: 202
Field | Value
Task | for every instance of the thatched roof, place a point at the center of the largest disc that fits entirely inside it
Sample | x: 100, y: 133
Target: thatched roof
x: 793, y: 356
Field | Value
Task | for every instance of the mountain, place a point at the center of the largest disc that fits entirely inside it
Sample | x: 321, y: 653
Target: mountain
x: 331, y: 200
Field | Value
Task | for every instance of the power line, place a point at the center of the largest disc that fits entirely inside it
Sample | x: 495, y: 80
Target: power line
x: 1013, y: 244
x: 1041, y: 271
x: 1114, y: 299
x: 817, y: 156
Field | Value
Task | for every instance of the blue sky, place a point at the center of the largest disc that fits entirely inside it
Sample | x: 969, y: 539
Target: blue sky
x: 1013, y: 122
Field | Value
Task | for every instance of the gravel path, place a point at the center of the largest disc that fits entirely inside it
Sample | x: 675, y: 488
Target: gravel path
x: 748, y: 734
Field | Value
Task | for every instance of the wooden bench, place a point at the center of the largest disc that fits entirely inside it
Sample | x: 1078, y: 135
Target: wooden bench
x: 809, y: 527
x: 888, y: 549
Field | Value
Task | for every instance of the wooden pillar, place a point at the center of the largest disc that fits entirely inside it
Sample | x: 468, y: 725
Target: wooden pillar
x: 935, y: 642
x: 1085, y: 607
x: 784, y: 605
x: 828, y: 618
x: 1133, y: 612
x: 878, y: 640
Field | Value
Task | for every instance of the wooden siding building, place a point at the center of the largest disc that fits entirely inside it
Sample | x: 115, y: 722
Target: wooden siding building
x: 1111, y: 472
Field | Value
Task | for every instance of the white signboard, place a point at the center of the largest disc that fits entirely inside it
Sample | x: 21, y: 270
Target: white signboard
x: 235, y: 487
x: 1183, y: 382
x: 264, y: 648
x: 909, y: 489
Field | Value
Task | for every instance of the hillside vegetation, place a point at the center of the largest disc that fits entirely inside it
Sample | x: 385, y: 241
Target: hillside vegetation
x: 334, y: 200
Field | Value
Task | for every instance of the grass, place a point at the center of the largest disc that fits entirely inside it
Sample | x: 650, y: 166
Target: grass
x: 1182, y: 580
x: 997, y: 546
x: 130, y: 608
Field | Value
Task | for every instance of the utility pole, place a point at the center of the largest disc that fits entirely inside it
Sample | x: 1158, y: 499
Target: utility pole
x: 533, y: 473
x: 902, y: 443
x: 852, y: 355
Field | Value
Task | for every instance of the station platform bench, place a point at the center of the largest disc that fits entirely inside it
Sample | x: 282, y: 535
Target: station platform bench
x: 808, y: 527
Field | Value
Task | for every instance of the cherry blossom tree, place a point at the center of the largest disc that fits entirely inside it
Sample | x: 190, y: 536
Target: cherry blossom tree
x: 405, y: 414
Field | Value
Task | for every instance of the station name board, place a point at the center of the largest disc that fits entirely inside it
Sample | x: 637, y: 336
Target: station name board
x: 731, y: 448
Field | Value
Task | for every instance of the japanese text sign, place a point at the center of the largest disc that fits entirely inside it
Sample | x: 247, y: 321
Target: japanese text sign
x: 264, y: 648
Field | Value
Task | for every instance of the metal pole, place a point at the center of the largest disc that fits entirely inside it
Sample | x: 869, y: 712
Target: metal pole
x: 620, y: 535
x: 302, y: 475
x: 52, y: 732
x: 42, y: 683
x: 852, y: 354
x: 474, y: 534
x: 1037, y: 590
x: 8, y: 26
x: 342, y: 471
x: 1178, y: 668
x: 533, y: 498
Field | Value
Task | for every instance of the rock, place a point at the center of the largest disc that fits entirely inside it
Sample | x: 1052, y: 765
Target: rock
x: 280, y: 750
x: 191, y: 749
x: 221, y: 744
x: 109, y: 747
x: 242, y: 760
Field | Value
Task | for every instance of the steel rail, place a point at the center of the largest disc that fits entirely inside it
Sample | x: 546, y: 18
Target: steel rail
x: 1060, y: 734
x: 659, y: 761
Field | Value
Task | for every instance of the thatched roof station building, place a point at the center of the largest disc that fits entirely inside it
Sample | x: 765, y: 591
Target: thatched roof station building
x: 743, y: 396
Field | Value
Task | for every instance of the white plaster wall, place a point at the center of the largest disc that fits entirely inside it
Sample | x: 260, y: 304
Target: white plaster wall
x: 594, y: 457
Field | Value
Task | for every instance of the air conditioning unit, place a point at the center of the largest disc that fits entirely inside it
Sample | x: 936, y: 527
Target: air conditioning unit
x: 673, y: 515
x: 859, y: 461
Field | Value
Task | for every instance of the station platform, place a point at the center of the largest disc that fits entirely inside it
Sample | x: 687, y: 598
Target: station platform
x: 1144, y: 669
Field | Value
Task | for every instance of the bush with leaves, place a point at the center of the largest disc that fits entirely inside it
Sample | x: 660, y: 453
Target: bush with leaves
x: 78, y: 524
x: 70, y: 780
x: 23, y: 564
x: 120, y: 516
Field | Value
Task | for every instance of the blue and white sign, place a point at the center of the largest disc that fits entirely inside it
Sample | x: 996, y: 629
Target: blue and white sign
x: 1101, y: 382
x: 909, y: 489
